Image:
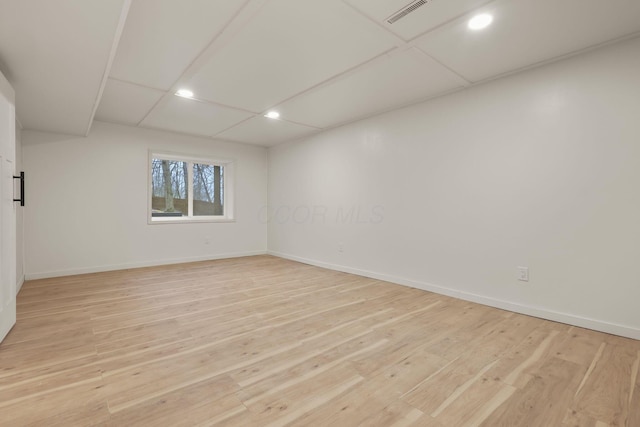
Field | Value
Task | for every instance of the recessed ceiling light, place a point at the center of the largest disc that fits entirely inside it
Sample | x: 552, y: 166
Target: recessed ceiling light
x: 272, y: 115
x: 185, y: 93
x: 479, y: 22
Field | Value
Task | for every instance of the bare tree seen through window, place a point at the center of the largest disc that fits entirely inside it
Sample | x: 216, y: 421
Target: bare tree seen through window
x: 170, y: 186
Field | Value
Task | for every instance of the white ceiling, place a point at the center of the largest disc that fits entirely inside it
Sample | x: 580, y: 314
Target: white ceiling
x: 320, y: 63
x: 55, y: 55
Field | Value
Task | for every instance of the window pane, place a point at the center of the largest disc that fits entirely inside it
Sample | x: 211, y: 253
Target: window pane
x: 208, y: 190
x: 169, y: 192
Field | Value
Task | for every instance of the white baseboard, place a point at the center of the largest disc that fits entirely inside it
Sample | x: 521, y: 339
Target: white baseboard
x: 570, y: 319
x: 103, y: 268
x: 19, y: 284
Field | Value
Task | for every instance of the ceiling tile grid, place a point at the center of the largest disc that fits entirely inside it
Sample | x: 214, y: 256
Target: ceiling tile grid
x: 526, y: 32
x: 319, y: 63
x: 162, y: 37
x: 427, y: 15
x: 290, y: 46
x: 392, y: 81
x: 126, y: 103
x: 193, y: 117
x: 54, y: 54
x: 263, y: 131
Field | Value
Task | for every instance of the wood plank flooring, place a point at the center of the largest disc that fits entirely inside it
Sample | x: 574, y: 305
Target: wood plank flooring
x: 262, y: 341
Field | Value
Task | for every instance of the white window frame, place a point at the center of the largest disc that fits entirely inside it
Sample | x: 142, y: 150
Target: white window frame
x: 228, y: 188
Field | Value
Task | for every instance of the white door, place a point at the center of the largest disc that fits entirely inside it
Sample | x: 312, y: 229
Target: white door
x: 7, y: 218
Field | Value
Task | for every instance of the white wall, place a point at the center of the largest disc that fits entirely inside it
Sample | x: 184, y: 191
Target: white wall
x: 86, y: 202
x: 539, y: 169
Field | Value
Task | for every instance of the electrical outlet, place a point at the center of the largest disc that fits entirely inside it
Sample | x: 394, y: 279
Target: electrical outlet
x: 207, y: 240
x: 341, y: 247
x: 523, y: 274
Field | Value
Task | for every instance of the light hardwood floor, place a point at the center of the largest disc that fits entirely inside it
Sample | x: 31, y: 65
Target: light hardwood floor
x: 262, y: 341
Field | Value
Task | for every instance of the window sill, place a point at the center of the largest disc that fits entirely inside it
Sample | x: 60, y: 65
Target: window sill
x: 183, y: 220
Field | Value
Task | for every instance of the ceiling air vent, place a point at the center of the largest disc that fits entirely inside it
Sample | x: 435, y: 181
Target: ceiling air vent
x: 411, y: 7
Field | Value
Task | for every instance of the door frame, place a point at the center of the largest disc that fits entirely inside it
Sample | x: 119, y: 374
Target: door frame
x: 8, y: 208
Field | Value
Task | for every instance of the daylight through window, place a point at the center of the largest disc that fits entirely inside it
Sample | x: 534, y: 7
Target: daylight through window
x: 188, y: 189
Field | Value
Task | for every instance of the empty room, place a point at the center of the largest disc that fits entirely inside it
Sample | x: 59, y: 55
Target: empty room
x: 320, y: 213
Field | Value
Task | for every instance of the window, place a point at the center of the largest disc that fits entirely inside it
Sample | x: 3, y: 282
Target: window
x: 187, y: 189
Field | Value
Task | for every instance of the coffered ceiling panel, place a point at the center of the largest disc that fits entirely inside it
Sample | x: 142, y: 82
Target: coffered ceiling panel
x: 525, y: 32
x: 410, y: 18
x: 162, y: 37
x: 321, y: 63
x: 263, y: 131
x: 391, y: 81
x: 55, y: 54
x: 192, y: 117
x: 126, y: 103
x: 289, y: 46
